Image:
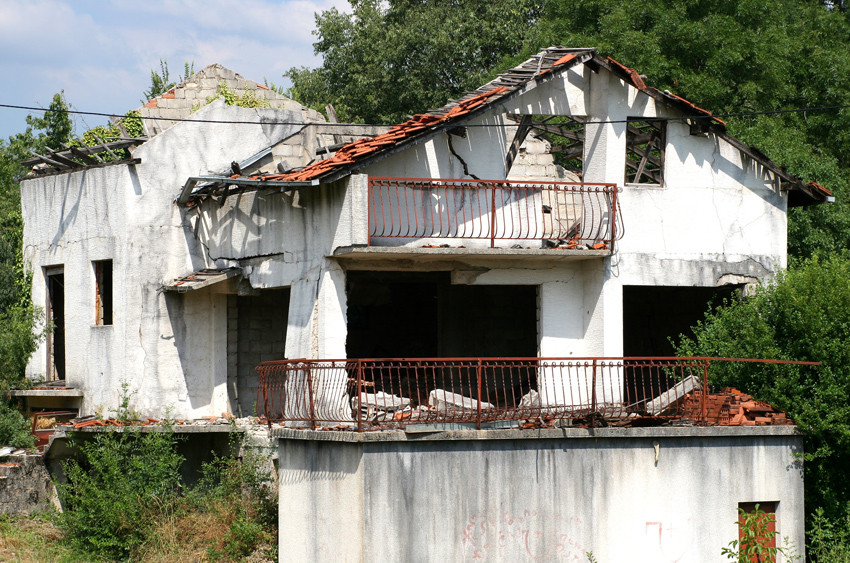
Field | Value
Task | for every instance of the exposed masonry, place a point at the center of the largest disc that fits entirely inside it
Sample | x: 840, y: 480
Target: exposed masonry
x: 25, y: 485
x: 182, y: 100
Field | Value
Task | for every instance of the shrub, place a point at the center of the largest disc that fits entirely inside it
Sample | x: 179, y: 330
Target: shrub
x: 114, y: 485
x: 14, y: 428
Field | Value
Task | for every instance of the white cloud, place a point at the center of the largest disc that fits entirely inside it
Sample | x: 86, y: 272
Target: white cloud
x: 101, y: 53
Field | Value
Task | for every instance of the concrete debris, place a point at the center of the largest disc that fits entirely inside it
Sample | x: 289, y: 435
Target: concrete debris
x: 6, y: 450
x: 669, y: 398
x: 381, y: 406
x: 530, y: 400
x: 447, y: 402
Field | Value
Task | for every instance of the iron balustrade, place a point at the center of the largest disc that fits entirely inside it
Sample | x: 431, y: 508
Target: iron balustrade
x: 529, y: 214
x: 369, y: 394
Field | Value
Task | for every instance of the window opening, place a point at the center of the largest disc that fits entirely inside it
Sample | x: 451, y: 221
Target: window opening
x: 760, y: 517
x: 55, y: 278
x: 645, y: 141
x: 103, y: 292
x: 565, y: 133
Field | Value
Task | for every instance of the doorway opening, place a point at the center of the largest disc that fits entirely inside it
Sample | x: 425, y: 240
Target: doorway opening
x: 56, y: 315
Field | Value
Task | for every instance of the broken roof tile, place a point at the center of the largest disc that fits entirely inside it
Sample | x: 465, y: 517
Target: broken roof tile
x: 543, y: 64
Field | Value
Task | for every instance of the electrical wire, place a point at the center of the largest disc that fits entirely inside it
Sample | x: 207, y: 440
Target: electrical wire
x: 434, y: 126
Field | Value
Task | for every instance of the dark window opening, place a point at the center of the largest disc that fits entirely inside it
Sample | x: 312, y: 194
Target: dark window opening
x: 103, y: 292
x: 56, y: 317
x: 566, y: 135
x: 422, y: 315
x: 645, y: 142
x: 653, y: 315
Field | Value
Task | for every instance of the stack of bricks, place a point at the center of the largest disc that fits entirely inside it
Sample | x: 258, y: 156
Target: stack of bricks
x: 731, y: 407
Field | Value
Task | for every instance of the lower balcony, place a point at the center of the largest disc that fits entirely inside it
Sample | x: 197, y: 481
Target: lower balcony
x: 396, y: 394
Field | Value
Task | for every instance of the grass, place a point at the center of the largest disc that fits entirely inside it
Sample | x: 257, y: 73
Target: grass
x: 33, y: 539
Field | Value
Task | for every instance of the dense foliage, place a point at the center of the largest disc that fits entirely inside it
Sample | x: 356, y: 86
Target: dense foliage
x: 112, y: 485
x: 389, y: 59
x: 804, y: 316
x: 125, y: 500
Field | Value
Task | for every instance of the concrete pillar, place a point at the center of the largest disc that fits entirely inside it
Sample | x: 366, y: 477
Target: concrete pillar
x: 218, y: 338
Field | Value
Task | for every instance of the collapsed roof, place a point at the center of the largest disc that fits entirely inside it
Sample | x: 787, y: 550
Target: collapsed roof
x: 536, y: 70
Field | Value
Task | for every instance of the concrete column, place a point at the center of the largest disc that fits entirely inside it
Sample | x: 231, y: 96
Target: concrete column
x: 605, y: 142
x: 218, y: 338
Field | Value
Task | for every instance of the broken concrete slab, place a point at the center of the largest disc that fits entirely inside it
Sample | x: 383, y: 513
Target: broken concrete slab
x: 667, y: 399
x: 447, y: 402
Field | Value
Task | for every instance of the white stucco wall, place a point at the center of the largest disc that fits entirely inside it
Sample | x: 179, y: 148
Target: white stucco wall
x: 167, y: 348
x: 626, y: 494
x: 716, y: 219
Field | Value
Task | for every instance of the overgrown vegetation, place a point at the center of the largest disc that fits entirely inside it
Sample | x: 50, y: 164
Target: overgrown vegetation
x: 161, y: 81
x: 14, y: 428
x: 756, y: 540
x: 805, y: 316
x: 125, y: 501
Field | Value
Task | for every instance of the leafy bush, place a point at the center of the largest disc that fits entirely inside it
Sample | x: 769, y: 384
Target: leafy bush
x: 829, y: 540
x: 21, y: 331
x: 805, y: 315
x: 114, y: 485
x: 124, y: 501
x: 242, y: 491
x: 14, y: 428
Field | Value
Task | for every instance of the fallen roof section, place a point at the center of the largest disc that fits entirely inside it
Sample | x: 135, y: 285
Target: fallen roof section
x: 539, y: 68
x: 201, y: 279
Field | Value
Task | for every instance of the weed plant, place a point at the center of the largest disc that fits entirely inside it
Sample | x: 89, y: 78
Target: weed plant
x: 124, y: 501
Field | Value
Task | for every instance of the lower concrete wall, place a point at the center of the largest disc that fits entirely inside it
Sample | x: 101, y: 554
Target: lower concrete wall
x: 25, y: 485
x: 653, y: 495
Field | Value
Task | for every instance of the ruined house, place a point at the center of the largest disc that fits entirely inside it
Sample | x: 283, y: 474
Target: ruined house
x: 565, y: 210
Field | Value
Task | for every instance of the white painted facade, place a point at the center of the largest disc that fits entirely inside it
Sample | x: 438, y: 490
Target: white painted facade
x: 718, y: 218
x: 642, y: 495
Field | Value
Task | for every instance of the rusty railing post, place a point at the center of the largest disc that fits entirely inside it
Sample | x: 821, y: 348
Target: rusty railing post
x: 359, y: 395
x: 478, y: 421
x: 369, y: 217
x: 593, y: 397
x: 704, y: 395
x: 265, y: 383
x: 493, y: 216
x: 310, y: 395
x: 613, y: 217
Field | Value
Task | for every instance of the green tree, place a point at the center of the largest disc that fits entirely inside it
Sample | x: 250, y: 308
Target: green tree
x: 804, y: 316
x: 386, y: 60
x: 20, y: 327
x: 733, y: 56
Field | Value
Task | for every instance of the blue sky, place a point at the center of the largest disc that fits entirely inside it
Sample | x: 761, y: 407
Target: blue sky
x: 101, y: 52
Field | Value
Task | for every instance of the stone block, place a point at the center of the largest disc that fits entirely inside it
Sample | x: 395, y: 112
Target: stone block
x: 243, y: 84
x: 208, y: 83
x: 225, y: 73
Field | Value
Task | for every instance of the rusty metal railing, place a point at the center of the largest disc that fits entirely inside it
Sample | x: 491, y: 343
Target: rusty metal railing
x: 369, y: 394
x: 529, y: 214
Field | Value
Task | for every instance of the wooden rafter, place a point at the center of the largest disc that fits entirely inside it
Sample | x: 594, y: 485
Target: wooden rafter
x: 74, y: 158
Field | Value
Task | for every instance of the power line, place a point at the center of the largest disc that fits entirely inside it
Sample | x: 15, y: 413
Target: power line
x: 436, y: 125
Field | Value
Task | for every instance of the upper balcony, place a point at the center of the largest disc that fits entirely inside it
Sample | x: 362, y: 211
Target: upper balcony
x: 420, y: 217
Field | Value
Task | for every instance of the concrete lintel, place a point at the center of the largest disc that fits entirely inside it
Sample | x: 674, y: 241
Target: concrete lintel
x: 46, y: 393
x: 469, y: 255
x: 536, y: 434
x: 177, y: 429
